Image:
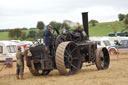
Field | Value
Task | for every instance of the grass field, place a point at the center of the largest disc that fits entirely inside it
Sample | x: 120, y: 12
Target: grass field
x: 117, y: 74
x: 4, y: 36
x: 101, y: 29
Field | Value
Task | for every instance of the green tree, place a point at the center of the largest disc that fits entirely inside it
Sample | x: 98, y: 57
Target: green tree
x: 24, y: 28
x: 66, y: 26
x: 93, y: 22
x: 121, y: 17
x: 11, y: 34
x: 15, y: 33
x: 32, y: 34
x: 40, y: 25
x: 55, y: 24
x: 126, y: 15
x: 126, y: 23
x: 23, y: 36
x: 126, y: 20
x: 40, y: 34
x: 33, y: 28
x: 58, y: 25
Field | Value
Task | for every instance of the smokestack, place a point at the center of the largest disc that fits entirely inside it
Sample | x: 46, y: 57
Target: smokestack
x: 85, y: 23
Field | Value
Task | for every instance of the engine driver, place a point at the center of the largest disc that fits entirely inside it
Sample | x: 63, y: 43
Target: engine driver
x: 48, y: 37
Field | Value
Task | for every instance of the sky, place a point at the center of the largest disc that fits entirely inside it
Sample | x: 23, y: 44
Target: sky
x: 26, y: 13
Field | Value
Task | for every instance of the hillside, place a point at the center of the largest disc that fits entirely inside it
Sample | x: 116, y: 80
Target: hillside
x: 101, y: 29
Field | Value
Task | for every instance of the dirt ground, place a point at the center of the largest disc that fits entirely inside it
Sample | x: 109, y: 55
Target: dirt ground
x: 117, y: 74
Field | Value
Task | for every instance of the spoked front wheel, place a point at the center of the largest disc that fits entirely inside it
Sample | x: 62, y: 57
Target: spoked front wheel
x: 102, y: 58
x: 36, y: 71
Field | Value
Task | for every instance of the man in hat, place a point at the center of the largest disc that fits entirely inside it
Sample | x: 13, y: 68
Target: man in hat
x: 48, y: 36
x: 20, y: 64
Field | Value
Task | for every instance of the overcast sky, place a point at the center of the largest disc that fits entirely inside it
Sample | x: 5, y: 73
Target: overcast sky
x: 26, y: 13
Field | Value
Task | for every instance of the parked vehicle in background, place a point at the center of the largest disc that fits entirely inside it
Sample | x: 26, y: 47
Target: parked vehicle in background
x: 28, y: 43
x: 19, y: 44
x: 119, y: 48
x: 105, y: 43
x: 7, y: 50
x: 112, y: 39
x: 121, y: 34
x: 102, y: 41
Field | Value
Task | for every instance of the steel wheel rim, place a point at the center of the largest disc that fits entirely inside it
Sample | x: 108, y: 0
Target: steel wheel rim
x: 72, y: 59
x: 103, y: 60
x: 101, y: 55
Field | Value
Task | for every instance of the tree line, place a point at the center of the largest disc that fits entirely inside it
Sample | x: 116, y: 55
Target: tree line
x: 35, y: 33
x: 6, y: 30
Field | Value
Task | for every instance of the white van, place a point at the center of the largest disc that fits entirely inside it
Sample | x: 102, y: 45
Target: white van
x: 7, y: 50
x: 103, y: 41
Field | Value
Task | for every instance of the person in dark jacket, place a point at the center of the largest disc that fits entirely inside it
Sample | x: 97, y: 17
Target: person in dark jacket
x: 19, y: 64
x: 48, y: 36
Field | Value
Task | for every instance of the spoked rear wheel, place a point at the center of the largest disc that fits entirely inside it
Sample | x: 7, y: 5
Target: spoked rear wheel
x: 102, y: 58
x: 68, y: 59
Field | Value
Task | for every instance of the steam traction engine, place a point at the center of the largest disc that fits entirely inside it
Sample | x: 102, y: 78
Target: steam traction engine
x: 67, y: 54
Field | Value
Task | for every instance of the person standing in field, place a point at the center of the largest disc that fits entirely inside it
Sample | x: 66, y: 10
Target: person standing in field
x: 19, y: 64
